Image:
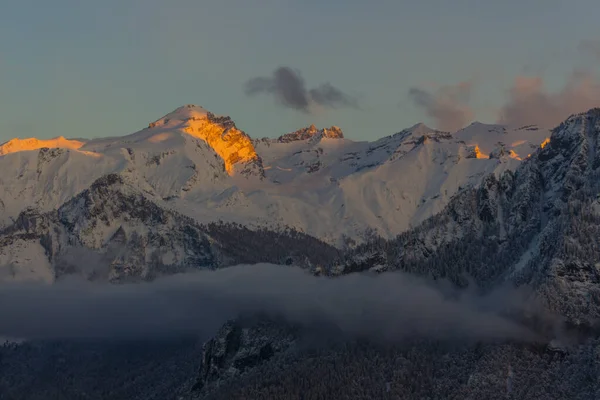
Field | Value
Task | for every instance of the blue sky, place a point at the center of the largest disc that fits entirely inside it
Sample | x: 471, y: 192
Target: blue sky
x: 81, y: 68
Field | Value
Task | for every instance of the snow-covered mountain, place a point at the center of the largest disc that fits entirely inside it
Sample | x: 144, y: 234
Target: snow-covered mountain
x: 185, y: 149
x: 313, y: 180
x: 536, y: 226
x: 201, y: 168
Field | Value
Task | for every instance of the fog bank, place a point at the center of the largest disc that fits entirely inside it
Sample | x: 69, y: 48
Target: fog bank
x: 391, y: 306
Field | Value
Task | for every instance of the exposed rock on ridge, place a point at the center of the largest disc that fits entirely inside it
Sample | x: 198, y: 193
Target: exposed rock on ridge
x: 310, y: 132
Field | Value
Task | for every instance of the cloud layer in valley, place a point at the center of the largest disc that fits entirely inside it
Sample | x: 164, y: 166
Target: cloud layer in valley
x: 392, y: 307
x: 289, y: 90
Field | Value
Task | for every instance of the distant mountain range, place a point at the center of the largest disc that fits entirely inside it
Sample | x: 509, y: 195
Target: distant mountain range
x: 192, y: 168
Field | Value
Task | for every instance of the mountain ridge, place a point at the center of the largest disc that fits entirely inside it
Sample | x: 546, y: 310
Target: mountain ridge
x: 314, y: 181
x: 192, y: 113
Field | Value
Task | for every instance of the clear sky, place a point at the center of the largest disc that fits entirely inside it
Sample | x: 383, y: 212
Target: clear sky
x: 84, y: 68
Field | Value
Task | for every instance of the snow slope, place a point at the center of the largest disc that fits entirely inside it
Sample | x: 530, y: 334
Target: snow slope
x: 16, y: 145
x: 315, y: 180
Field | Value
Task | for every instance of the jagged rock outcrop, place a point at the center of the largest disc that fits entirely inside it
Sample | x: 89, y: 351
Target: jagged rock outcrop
x: 311, y: 132
x: 501, y: 151
x: 240, y: 346
x: 474, y: 152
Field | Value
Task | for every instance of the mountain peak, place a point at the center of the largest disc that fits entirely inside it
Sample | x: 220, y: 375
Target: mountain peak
x: 420, y: 125
x: 420, y: 129
x: 333, y: 132
x: 233, y: 145
x: 181, y: 114
x: 417, y: 130
x: 188, y: 109
x: 577, y: 131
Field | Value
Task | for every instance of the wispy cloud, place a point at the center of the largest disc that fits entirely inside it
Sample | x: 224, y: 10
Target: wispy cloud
x: 289, y: 89
x: 530, y: 103
x: 448, y: 106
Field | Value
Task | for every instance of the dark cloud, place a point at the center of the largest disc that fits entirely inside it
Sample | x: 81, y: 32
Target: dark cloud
x: 286, y: 85
x: 448, y: 106
x: 289, y: 89
x: 530, y: 103
x: 391, y: 306
x: 329, y: 96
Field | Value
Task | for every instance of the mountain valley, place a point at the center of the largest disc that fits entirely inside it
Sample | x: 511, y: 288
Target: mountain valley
x: 483, y: 208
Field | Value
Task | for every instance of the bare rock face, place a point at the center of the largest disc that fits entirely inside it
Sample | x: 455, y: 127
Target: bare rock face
x: 311, y: 132
x: 474, y: 152
x: 240, y: 346
x: 333, y: 133
x: 500, y: 151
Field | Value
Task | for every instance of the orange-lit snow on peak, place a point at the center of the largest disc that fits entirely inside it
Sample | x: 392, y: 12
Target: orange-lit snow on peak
x: 221, y: 134
x: 231, y: 144
x: 180, y: 115
x: 545, y: 142
x: 16, y: 145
